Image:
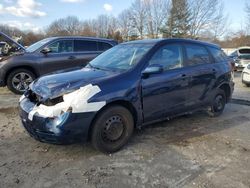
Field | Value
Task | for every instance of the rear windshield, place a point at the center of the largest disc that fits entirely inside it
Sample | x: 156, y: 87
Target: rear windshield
x: 244, y: 51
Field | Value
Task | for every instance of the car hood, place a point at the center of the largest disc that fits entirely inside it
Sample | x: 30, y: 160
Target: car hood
x: 10, y: 41
x: 55, y: 85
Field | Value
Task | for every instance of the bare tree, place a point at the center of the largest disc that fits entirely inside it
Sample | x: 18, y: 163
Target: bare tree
x: 219, y: 26
x: 105, y: 26
x: 89, y: 28
x: 124, y: 22
x: 65, y: 26
x: 203, y: 14
x: 156, y: 13
x: 248, y: 17
x: 138, y: 16
x: 11, y: 31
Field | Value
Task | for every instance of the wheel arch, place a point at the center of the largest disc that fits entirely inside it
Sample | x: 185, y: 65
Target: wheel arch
x: 227, y: 89
x: 126, y: 104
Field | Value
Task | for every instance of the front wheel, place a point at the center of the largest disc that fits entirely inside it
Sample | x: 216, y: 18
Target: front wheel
x: 218, y: 104
x: 112, y: 129
x: 18, y: 80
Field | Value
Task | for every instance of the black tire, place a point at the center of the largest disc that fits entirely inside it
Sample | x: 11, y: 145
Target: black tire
x: 218, y: 104
x: 112, y: 129
x: 24, y: 82
x: 245, y: 84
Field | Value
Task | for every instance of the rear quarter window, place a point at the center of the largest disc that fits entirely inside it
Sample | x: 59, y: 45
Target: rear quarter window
x: 85, y: 46
x: 103, y: 46
x: 196, y: 54
x: 218, y: 54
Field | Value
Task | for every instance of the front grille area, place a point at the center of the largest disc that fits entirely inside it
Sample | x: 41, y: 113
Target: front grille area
x: 52, y: 102
x: 33, y: 97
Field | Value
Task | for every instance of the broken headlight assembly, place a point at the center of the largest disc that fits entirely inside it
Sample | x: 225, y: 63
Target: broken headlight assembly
x: 59, y: 120
x: 248, y: 66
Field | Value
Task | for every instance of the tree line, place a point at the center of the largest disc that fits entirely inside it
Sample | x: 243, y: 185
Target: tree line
x: 196, y: 19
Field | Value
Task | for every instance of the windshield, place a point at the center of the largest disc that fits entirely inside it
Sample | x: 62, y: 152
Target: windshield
x: 38, y: 45
x: 122, y: 57
x: 245, y: 56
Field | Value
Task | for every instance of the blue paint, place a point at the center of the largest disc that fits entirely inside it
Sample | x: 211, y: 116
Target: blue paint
x: 152, y: 98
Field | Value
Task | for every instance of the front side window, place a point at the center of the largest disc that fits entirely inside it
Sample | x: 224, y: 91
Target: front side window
x: 196, y: 55
x: 85, y: 46
x: 169, y: 56
x: 61, y: 46
x: 38, y: 45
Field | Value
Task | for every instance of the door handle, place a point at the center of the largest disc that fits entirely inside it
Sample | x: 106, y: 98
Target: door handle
x: 214, y: 71
x: 72, y: 57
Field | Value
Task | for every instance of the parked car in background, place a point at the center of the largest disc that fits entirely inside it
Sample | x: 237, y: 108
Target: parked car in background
x: 127, y: 87
x: 2, y: 47
x: 21, y: 66
x: 245, y: 76
x: 241, y: 57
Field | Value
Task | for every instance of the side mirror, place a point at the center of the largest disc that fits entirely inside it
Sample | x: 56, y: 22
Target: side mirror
x: 46, y: 50
x: 152, y: 69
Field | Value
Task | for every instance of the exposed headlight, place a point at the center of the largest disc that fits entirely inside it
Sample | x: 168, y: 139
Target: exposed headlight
x: 248, y: 66
x: 59, y: 120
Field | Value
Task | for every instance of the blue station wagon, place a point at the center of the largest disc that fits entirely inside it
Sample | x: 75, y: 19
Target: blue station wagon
x: 129, y: 86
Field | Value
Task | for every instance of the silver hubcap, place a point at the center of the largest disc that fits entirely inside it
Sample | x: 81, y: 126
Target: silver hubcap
x: 21, y: 81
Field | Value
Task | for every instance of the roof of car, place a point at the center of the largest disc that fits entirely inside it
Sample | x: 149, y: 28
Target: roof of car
x: 154, y: 41
x: 82, y: 37
x: 244, y: 47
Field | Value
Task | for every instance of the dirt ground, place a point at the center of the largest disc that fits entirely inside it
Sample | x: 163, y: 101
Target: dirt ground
x: 189, y: 151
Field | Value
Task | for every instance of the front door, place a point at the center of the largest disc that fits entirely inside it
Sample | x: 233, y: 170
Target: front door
x: 165, y: 94
x: 62, y: 56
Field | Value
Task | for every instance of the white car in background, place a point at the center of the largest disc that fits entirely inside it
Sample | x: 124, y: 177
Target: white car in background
x: 246, y: 75
x: 241, y: 57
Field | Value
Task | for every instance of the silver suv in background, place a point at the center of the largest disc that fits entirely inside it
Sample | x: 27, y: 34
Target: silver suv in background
x: 241, y: 57
x: 20, y: 66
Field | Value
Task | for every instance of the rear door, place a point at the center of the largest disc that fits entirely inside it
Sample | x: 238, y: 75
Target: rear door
x: 165, y: 94
x: 203, y: 73
x: 61, y: 56
x: 86, y: 50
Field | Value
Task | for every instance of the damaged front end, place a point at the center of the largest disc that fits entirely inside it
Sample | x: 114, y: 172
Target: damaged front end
x: 63, y: 119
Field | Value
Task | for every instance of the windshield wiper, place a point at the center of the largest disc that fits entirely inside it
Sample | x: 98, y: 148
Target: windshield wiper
x: 98, y: 68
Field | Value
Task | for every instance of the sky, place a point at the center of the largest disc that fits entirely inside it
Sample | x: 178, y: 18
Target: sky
x: 37, y: 14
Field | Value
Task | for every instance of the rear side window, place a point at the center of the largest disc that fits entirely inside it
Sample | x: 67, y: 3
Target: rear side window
x: 103, y: 46
x: 196, y: 55
x: 218, y: 54
x: 169, y: 56
x: 85, y: 46
x: 61, y: 46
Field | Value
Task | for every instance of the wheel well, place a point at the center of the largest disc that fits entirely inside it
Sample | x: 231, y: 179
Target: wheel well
x: 123, y: 103
x: 20, y: 67
x: 227, y: 90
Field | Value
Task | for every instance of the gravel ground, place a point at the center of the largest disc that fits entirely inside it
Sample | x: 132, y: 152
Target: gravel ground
x: 189, y: 151
x: 241, y: 92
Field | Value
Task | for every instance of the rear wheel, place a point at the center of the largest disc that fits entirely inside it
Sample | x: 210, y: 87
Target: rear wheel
x: 18, y: 80
x: 247, y: 85
x: 218, y: 104
x: 112, y: 129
